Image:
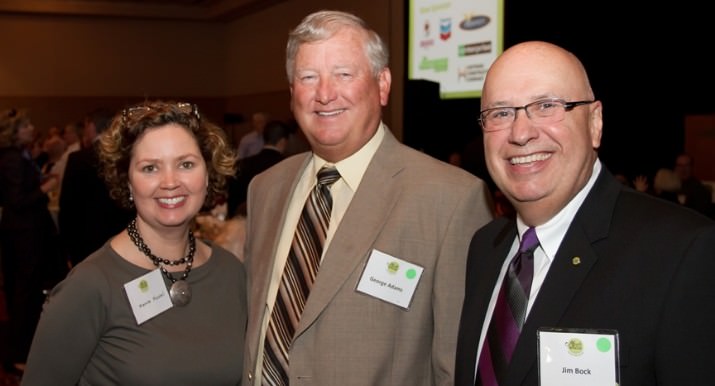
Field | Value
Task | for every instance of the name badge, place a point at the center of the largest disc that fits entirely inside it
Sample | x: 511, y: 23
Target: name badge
x: 148, y: 296
x: 578, y: 357
x: 390, y: 279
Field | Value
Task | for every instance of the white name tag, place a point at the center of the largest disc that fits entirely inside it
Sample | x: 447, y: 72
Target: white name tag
x: 148, y: 296
x: 578, y: 357
x: 390, y: 279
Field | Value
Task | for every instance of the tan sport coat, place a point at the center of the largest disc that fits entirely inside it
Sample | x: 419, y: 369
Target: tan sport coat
x: 408, y: 205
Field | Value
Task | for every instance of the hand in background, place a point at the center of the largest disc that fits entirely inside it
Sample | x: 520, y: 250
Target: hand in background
x: 640, y: 183
x: 51, y: 181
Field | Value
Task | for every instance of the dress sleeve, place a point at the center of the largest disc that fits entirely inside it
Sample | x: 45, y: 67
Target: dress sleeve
x: 69, y: 329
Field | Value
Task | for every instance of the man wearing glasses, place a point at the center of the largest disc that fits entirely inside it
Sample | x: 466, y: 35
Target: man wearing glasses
x: 609, y: 285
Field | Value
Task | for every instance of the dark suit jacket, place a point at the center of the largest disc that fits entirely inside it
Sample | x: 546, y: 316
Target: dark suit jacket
x: 247, y: 169
x: 24, y: 204
x: 27, y: 231
x: 646, y: 271
x: 88, y: 216
x: 408, y: 205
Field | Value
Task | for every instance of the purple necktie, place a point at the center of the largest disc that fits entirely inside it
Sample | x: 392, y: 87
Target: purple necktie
x: 509, y: 314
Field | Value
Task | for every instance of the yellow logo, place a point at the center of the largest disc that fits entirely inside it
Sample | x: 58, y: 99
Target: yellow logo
x: 393, y: 267
x: 575, y: 346
x: 143, y: 286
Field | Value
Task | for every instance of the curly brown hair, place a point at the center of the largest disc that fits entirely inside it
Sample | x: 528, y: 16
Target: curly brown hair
x: 116, y: 145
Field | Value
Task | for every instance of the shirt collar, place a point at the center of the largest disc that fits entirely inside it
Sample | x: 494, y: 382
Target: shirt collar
x: 552, y: 232
x: 353, y: 168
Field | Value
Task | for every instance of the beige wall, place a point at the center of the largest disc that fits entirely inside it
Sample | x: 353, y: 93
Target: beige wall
x: 43, y: 56
x: 60, y: 68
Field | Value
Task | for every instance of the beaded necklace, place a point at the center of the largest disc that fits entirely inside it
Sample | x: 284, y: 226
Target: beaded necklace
x: 179, y: 292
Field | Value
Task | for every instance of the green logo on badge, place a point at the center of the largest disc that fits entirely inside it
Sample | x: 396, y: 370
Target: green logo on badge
x: 393, y: 267
x: 143, y: 286
x: 575, y: 346
x: 411, y: 273
x: 603, y: 345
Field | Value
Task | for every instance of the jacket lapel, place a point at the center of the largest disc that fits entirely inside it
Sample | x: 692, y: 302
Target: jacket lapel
x: 360, y: 227
x: 264, y: 229
x: 572, y: 263
x: 483, y: 278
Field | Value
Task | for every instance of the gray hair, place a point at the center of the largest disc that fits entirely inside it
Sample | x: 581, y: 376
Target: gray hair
x: 323, y: 25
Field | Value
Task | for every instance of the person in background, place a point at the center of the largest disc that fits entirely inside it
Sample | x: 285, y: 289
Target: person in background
x: 54, y: 147
x: 252, y: 142
x: 88, y: 216
x: 693, y: 193
x: 606, y: 257
x: 666, y: 184
x: 392, y: 207
x: 31, y: 259
x: 275, y: 139
x: 231, y: 233
x: 71, y: 137
x: 154, y: 305
x: 297, y: 143
x: 38, y: 150
x: 54, y: 132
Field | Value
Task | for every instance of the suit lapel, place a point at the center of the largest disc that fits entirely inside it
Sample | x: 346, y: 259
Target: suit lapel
x: 483, y: 271
x: 479, y: 288
x: 572, y: 263
x: 555, y: 296
x: 265, y: 233
x: 360, y: 227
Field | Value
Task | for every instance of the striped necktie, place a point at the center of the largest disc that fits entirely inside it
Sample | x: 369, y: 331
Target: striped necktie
x: 298, y: 276
x: 509, y: 314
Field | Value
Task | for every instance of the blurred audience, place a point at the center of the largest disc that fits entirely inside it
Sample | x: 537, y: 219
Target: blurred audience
x: 666, y: 184
x: 297, y: 143
x: 88, y: 216
x: 231, y: 233
x: 54, y: 147
x: 693, y: 193
x: 252, y: 142
x: 31, y: 258
x: 71, y: 135
x: 275, y: 138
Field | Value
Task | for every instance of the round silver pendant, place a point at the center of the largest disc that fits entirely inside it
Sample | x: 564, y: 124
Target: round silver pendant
x: 180, y: 293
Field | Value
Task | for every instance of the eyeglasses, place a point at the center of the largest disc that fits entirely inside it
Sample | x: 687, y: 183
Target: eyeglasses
x: 184, y: 107
x: 541, y: 112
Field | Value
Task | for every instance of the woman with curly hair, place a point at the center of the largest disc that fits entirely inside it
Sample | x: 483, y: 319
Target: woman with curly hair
x: 154, y: 305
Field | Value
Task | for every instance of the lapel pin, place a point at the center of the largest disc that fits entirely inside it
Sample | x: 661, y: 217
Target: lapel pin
x: 575, y: 261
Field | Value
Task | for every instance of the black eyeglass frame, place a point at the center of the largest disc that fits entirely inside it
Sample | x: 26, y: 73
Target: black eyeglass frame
x: 568, y: 106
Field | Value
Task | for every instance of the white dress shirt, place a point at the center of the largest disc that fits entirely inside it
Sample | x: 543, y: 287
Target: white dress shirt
x: 550, y: 235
